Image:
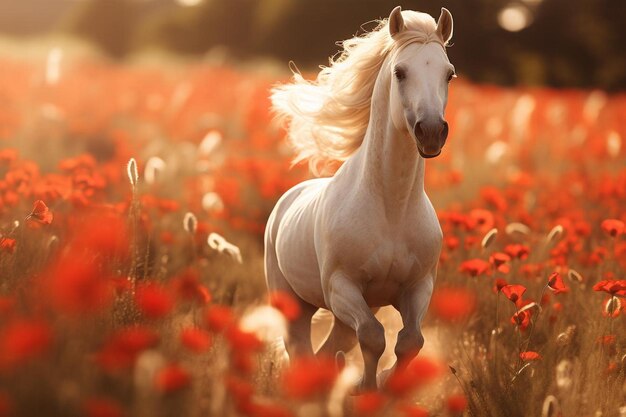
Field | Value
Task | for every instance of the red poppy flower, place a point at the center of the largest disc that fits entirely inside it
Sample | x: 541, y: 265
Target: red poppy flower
x: 514, y: 292
x: 267, y: 409
x: 556, y: 284
x: 240, y: 390
x: 456, y: 403
x: 124, y: 346
x: 452, y: 304
x: 521, y: 319
x: 474, y: 267
x: 243, y: 361
x: 613, y: 227
x: 102, y: 407
x: 517, y: 251
x: 196, y: 340
x: 286, y: 304
x: 154, y: 301
x: 493, y: 196
x: 531, y: 271
x: 471, y: 242
x: 500, y: 261
x: 40, y: 214
x: 24, y: 340
x: 219, y: 318
x: 369, y: 403
x: 77, y: 288
x: 8, y: 155
x: 7, y: 245
x: 307, y: 378
x: 168, y: 206
x: 408, y: 378
x: 410, y: 410
x: 171, y: 379
x: 102, y: 233
x: 7, y: 306
x: 613, y: 287
x: 529, y: 355
x: 611, y: 368
x: 188, y: 287
x: 483, y: 219
x: 499, y: 284
x: 243, y: 341
x: 451, y: 242
x: 607, y: 340
x: 6, y: 405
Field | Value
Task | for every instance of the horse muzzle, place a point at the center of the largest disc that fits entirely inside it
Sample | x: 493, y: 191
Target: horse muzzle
x: 430, y: 136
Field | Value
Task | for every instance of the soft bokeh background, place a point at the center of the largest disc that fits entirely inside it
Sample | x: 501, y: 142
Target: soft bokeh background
x: 562, y: 43
x: 133, y: 131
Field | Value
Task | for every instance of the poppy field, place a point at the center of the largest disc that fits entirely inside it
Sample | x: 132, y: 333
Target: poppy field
x: 133, y: 200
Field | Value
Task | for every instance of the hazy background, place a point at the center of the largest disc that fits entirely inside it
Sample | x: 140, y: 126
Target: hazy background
x: 562, y: 43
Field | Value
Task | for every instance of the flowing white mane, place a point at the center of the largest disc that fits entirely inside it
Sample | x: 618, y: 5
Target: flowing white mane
x: 326, y: 119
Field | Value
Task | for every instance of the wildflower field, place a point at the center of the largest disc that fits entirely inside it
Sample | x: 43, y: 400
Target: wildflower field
x: 133, y: 200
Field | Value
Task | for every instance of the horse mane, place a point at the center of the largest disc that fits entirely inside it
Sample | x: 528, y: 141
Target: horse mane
x: 326, y: 118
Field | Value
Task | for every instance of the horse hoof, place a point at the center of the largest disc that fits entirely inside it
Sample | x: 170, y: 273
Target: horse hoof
x: 382, y: 377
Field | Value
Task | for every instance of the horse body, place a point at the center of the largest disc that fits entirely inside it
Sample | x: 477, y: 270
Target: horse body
x: 368, y: 236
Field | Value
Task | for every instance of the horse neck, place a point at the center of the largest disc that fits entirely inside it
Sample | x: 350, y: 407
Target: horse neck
x: 391, y: 165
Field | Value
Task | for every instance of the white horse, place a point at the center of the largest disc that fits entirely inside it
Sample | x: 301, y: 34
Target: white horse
x: 368, y: 236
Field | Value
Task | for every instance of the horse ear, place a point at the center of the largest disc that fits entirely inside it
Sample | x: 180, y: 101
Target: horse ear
x: 445, y: 26
x: 396, y: 22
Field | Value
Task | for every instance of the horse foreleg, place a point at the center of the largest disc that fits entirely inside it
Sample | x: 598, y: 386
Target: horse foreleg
x: 412, y: 305
x: 346, y: 301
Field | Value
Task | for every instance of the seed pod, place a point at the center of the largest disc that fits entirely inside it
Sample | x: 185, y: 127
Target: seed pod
x: 550, y: 407
x: 555, y: 234
x: 566, y: 337
x: 612, y: 306
x: 489, y: 238
x: 131, y: 170
x: 574, y: 276
x: 513, y: 228
x: 153, y: 168
x: 190, y: 223
x: 564, y: 371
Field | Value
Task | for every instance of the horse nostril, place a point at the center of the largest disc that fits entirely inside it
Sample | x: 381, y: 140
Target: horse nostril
x: 444, y: 131
x: 419, y: 133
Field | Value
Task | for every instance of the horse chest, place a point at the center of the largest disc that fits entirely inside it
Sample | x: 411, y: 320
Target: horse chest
x: 397, y: 262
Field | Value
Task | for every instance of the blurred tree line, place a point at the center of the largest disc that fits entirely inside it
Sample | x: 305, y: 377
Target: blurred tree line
x: 570, y: 43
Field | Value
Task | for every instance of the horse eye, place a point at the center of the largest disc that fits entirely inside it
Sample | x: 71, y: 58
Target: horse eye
x: 399, y: 73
